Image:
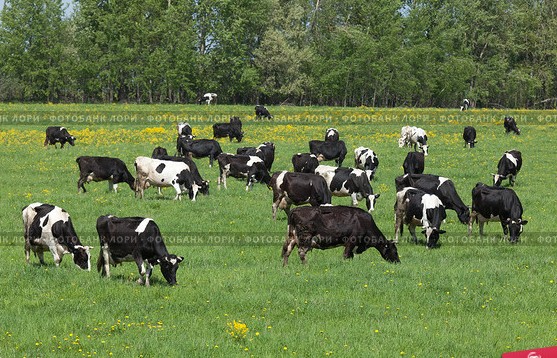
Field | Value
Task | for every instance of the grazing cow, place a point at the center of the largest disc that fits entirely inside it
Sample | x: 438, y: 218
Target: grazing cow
x: 442, y: 187
x: 163, y: 173
x: 58, y: 135
x: 134, y: 239
x: 415, y: 207
x: 413, y: 136
x: 329, y: 150
x: 306, y: 162
x: 161, y: 153
x: 208, y: 98
x: 242, y: 166
x: 49, y: 228
x: 198, y: 148
x: 331, y: 135
x: 366, y: 159
x: 349, y: 182
x: 414, y: 163
x: 326, y: 226
x: 298, y: 188
x: 510, y: 125
x: 103, y: 168
x: 265, y: 151
x: 262, y: 111
x: 469, y: 136
x: 184, y: 129
x: 499, y: 204
x: 230, y: 130
x: 508, y: 167
x: 465, y: 104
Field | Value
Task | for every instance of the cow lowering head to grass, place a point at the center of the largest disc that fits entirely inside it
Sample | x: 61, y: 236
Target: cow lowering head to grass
x: 60, y: 135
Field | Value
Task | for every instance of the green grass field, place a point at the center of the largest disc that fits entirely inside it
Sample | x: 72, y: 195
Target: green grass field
x: 474, y: 297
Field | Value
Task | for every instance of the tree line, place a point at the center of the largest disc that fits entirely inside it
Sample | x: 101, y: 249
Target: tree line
x: 424, y: 53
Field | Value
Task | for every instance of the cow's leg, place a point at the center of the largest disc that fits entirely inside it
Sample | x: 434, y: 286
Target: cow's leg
x: 27, y: 248
x: 349, y: 248
x: 412, y: 230
x: 512, y: 179
x: 148, y: 273
x: 40, y: 255
x: 81, y: 183
x: 211, y: 158
x: 105, y: 270
x: 505, y: 229
x: 141, y: 268
x: 289, y: 245
x: 176, y: 187
x: 481, y: 224
x: 471, y: 222
x: 55, y: 255
x: 354, y: 197
x: 399, y: 215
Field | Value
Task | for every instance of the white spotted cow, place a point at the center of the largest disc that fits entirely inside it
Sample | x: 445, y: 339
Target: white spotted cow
x: 349, y: 182
x: 366, y: 159
x: 332, y: 135
x: 508, y: 167
x: 413, y: 136
x: 242, y: 166
x: 49, y: 228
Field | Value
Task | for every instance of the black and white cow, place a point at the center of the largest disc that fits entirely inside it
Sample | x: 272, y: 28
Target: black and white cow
x: 331, y: 135
x: 164, y: 173
x: 349, y: 182
x: 491, y: 203
x: 510, y: 125
x: 262, y: 111
x: 469, y: 136
x: 413, y: 136
x: 242, y: 166
x: 60, y: 135
x: 323, y: 227
x: 415, y: 207
x: 184, y: 129
x: 198, y: 148
x: 103, y: 168
x: 162, y: 154
x: 508, y: 167
x: 265, y: 151
x: 298, y: 188
x: 465, y: 104
x: 329, y: 150
x: 442, y: 187
x: 414, y: 163
x: 134, y: 239
x: 208, y: 98
x: 49, y: 228
x: 306, y: 162
x: 231, y: 130
x: 366, y: 159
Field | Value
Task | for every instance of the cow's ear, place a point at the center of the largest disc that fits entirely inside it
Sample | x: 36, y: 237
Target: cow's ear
x: 442, y: 232
x: 423, y: 231
x: 523, y: 222
x: 180, y: 258
x: 508, y: 221
x: 377, y: 195
x: 493, y: 175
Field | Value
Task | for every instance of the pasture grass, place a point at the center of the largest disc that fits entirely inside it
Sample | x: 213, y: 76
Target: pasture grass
x: 471, y: 297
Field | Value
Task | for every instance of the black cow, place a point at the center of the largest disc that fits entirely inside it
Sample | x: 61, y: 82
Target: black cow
x: 298, y: 188
x: 508, y: 167
x: 329, y: 150
x: 510, y: 125
x: 265, y: 151
x: 49, y: 228
x: 134, y: 239
x: 306, y: 162
x: 58, y: 135
x: 500, y: 204
x: 262, y: 111
x: 332, y: 135
x: 324, y: 227
x: 242, y: 166
x: 414, y: 163
x: 162, y: 154
x: 410, y: 207
x: 469, y: 136
x: 184, y: 129
x: 103, y: 168
x: 230, y: 130
x: 366, y: 159
x: 442, y: 187
x: 349, y: 182
x: 198, y: 148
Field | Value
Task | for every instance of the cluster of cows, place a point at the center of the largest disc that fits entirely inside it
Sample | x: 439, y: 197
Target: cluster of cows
x: 421, y: 199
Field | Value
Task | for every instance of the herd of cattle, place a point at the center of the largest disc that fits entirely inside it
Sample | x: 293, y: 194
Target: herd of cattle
x: 421, y: 199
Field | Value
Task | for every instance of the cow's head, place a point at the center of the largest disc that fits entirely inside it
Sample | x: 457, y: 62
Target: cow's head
x: 515, y: 229
x: 424, y: 149
x: 389, y: 251
x: 71, y: 139
x: 370, y: 202
x: 432, y: 236
x: 82, y: 257
x: 169, y: 265
x: 204, y: 187
x: 498, y: 178
x: 239, y: 136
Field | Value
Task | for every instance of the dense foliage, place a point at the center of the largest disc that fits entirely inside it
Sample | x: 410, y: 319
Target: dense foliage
x: 319, y: 52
